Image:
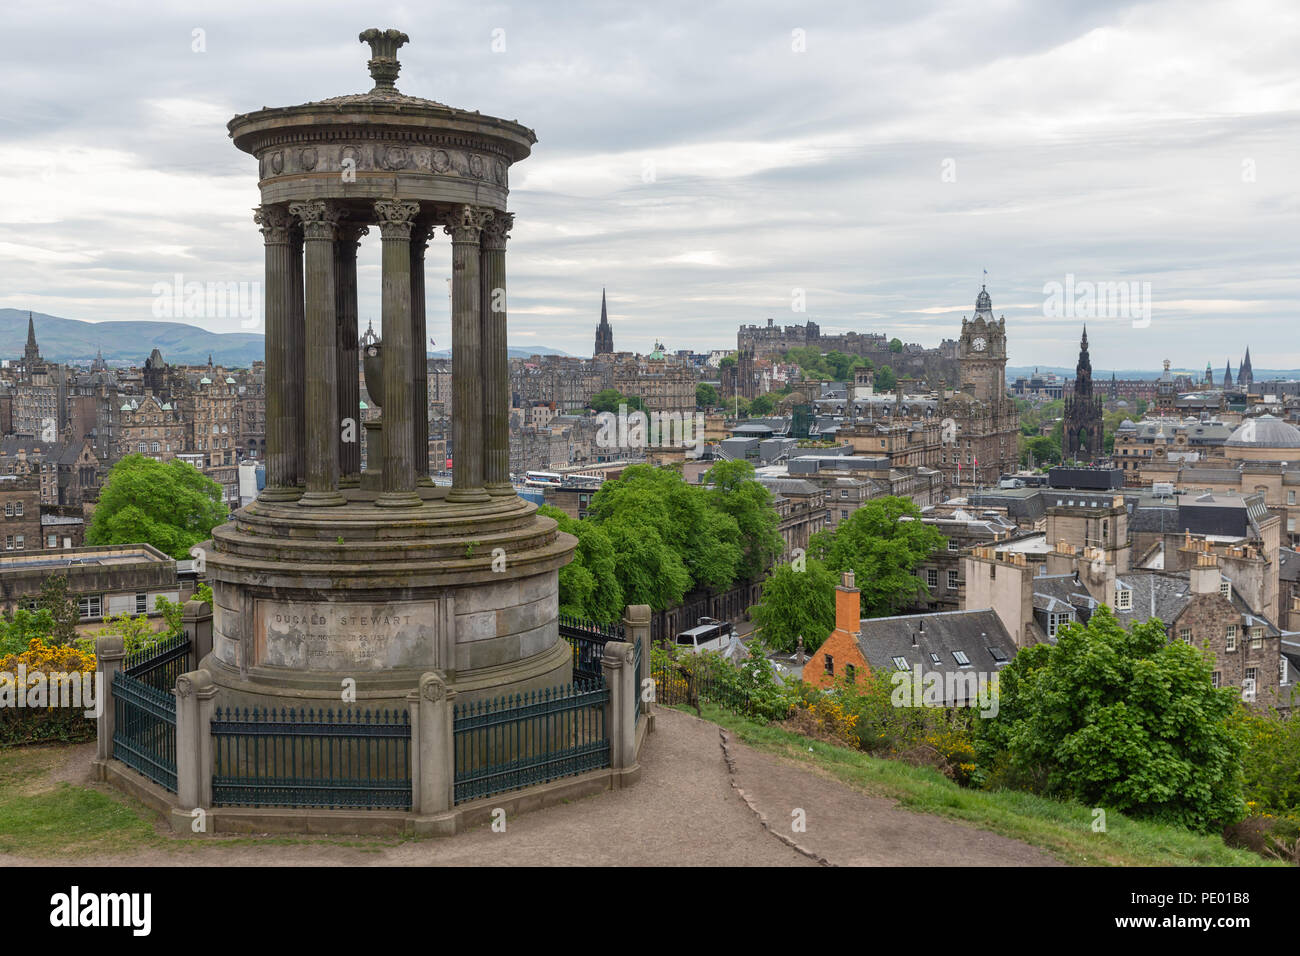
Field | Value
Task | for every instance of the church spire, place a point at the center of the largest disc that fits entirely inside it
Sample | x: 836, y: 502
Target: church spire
x: 604, y: 334
x: 31, y: 353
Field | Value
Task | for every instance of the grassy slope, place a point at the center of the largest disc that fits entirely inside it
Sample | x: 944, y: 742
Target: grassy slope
x: 1063, y: 828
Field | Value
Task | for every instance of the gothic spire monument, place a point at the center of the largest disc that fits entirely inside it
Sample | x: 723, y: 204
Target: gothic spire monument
x: 1083, y: 412
x: 378, y: 575
x: 604, y: 334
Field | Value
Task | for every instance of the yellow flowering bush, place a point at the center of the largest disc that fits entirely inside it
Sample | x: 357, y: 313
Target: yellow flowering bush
x: 29, y: 724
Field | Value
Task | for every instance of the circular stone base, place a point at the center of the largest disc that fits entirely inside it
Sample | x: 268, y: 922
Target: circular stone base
x: 308, y: 603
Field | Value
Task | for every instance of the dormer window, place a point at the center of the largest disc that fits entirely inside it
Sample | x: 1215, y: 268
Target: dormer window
x: 1225, y: 588
x: 1123, y: 599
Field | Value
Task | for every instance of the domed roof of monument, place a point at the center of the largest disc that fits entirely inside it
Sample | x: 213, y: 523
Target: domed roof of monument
x: 983, y: 302
x: 1264, y: 432
x: 383, y: 105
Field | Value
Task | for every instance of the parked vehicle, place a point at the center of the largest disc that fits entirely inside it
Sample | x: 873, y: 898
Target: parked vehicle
x: 709, y: 635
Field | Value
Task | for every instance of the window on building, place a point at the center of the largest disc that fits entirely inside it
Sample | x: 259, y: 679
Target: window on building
x: 1225, y: 588
x: 1124, y: 599
x: 932, y: 577
x: 9, y: 542
x: 830, y: 663
x: 850, y: 672
x: 142, y: 604
x: 953, y: 583
x: 19, y: 542
x: 1215, y: 678
x: 91, y: 606
x: 1230, y: 637
x: 1256, y: 638
x: 935, y: 658
x: 9, y: 509
x: 952, y: 545
x: 998, y: 654
x: 18, y: 509
x: 1252, y: 675
x: 900, y: 663
x: 1282, y: 670
x: 961, y: 658
x: 51, y: 541
x: 1185, y: 635
x: 1290, y: 497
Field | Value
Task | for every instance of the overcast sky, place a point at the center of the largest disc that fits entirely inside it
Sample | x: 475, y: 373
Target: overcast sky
x: 906, y: 149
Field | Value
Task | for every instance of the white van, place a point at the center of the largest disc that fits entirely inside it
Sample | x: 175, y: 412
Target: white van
x: 709, y: 635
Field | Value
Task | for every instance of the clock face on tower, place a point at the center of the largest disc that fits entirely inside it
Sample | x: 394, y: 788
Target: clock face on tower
x: 979, y: 344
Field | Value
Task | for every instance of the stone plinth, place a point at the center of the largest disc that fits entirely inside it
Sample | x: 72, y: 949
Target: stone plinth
x: 305, y: 599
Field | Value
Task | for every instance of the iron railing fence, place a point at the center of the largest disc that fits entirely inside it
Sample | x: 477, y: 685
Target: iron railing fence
x: 518, y: 741
x: 144, y: 734
x: 348, y: 759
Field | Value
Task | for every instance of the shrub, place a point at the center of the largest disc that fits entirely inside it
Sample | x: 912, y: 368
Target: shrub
x: 32, y: 724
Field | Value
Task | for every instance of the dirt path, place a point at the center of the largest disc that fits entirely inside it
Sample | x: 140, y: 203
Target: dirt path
x: 697, y: 803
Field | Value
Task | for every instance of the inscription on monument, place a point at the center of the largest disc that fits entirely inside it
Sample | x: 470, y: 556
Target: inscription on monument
x: 318, y: 636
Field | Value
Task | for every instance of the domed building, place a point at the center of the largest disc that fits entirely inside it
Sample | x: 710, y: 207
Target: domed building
x: 1264, y: 438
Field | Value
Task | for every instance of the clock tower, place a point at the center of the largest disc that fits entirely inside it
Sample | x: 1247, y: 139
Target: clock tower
x: 982, y: 353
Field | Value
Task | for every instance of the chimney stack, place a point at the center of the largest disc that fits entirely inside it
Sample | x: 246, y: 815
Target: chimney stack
x: 848, y: 606
x: 1204, y: 575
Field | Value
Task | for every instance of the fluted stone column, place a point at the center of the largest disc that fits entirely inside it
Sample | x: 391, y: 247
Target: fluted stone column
x: 496, y: 359
x: 419, y: 361
x: 465, y: 226
x: 396, y: 219
x: 319, y: 225
x: 281, y: 479
x: 349, y: 387
x: 296, y: 370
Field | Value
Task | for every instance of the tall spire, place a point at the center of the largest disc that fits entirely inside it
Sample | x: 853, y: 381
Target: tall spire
x: 604, y: 334
x: 31, y: 353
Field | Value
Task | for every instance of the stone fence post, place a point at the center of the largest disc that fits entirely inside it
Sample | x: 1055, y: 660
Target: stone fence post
x: 109, y: 652
x: 196, y: 621
x: 636, y: 625
x: 433, y: 745
x: 618, y: 664
x: 196, y: 700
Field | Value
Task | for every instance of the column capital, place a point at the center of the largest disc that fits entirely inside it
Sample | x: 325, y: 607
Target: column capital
x: 396, y: 217
x: 421, y: 232
x: 320, y: 219
x: 274, y: 222
x: 466, y: 223
x: 497, y: 231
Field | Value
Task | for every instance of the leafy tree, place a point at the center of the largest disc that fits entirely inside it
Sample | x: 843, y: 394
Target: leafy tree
x: 762, y: 405
x: 18, y: 629
x: 1120, y: 719
x: 589, y: 584
x: 885, y: 379
x: 796, y: 602
x: 839, y: 365
x: 727, y: 361
x: 1272, y: 763
x: 656, y: 500
x: 706, y: 396
x: 609, y: 400
x: 735, y: 491
x: 171, y: 506
x: 896, y: 345
x: 1045, y: 449
x: 882, y: 543
x: 62, y: 607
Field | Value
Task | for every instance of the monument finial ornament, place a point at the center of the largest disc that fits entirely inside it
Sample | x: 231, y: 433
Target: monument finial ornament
x: 383, y: 64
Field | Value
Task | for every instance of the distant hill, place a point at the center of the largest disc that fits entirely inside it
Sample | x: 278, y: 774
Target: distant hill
x: 74, y: 342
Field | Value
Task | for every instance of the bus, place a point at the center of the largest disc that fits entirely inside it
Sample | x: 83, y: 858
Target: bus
x: 542, y: 479
x: 709, y: 635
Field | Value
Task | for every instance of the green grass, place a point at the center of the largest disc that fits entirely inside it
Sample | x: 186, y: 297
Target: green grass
x: 1064, y: 828
x: 41, y: 818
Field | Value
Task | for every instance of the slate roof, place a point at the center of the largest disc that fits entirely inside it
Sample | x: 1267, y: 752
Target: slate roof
x: 938, y: 637
x: 1288, y: 564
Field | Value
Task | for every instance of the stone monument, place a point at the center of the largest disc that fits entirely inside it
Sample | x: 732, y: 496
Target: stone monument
x: 334, y: 574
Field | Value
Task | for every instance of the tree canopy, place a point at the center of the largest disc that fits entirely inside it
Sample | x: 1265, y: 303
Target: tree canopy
x: 609, y: 399
x: 796, y: 602
x: 706, y: 396
x: 881, y: 543
x: 1119, y: 719
x: 171, y: 506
